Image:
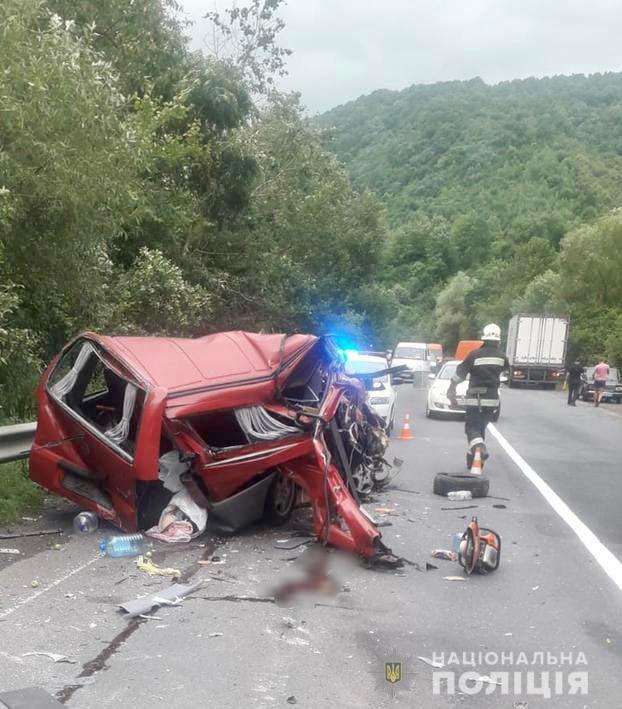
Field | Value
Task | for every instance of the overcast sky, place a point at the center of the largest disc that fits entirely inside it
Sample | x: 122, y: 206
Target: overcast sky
x: 345, y: 48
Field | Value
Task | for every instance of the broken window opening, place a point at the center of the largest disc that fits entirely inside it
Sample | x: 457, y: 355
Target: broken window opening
x: 97, y: 394
x: 219, y: 429
x: 309, y: 381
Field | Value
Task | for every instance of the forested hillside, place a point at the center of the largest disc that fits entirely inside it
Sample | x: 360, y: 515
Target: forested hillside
x: 148, y: 189
x: 500, y: 200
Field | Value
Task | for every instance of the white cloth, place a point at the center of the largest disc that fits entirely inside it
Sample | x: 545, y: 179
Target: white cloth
x: 118, y: 434
x: 171, y: 469
x: 173, y: 525
x: 66, y: 384
x: 259, y: 425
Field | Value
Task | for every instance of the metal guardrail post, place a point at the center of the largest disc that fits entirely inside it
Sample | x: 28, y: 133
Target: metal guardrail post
x: 16, y: 441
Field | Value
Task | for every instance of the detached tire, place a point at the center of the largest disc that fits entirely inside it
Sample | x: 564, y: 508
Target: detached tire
x: 450, y: 482
x: 280, y: 500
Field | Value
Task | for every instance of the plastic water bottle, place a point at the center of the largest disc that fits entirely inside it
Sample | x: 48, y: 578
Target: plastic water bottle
x: 85, y: 523
x: 458, y: 495
x: 123, y: 545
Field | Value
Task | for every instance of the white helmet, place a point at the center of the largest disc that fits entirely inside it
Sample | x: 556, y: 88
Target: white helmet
x: 492, y: 333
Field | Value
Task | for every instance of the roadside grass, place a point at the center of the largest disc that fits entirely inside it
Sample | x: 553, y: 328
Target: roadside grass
x: 17, y: 493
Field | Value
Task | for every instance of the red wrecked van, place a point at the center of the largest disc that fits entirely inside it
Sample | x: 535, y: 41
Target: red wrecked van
x: 249, y: 420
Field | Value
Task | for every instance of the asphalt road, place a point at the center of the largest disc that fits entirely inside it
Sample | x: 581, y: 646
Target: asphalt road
x: 228, y: 645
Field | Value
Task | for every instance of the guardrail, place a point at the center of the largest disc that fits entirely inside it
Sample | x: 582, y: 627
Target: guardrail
x: 16, y: 441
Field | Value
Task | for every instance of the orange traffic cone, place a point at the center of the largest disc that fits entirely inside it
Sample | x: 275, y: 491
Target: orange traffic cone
x: 405, y: 434
x: 476, y: 467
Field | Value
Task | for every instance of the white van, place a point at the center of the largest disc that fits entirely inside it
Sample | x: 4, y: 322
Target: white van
x: 415, y: 356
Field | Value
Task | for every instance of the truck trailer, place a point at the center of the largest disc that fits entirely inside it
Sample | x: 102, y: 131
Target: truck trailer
x: 536, y: 350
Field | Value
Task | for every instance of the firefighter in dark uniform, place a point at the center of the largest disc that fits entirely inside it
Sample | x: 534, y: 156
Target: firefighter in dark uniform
x: 484, y: 367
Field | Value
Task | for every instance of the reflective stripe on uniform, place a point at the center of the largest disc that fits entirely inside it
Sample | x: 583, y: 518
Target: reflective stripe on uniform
x: 496, y: 361
x: 479, y: 402
x: 475, y: 441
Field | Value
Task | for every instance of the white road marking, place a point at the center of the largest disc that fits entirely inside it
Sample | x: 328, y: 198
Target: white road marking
x: 45, y: 589
x: 607, y: 560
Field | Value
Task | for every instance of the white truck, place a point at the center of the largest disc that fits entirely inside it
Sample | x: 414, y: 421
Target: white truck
x: 536, y: 350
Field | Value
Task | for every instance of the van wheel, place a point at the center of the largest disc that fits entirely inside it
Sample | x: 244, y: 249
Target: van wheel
x: 280, y: 500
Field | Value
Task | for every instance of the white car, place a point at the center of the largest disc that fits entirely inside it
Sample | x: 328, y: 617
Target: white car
x: 415, y: 356
x: 437, y: 402
x: 381, y: 395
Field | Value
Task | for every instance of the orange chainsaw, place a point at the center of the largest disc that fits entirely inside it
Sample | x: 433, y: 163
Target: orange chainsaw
x: 480, y: 549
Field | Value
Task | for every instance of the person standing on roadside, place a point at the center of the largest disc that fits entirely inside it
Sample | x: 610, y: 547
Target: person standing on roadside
x: 601, y: 372
x: 574, y: 378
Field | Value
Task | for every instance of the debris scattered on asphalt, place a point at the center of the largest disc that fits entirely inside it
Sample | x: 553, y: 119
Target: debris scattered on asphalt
x: 289, y: 544
x: 240, y: 599
x: 535, y: 588
x: 385, y: 510
x: 446, y: 554
x: 34, y: 583
x: 438, y: 665
x: 6, y: 550
x: 40, y: 533
x: 171, y: 596
x: 292, y: 700
x: 466, y: 507
x: 401, y: 489
x: 215, y: 635
x: 55, y: 657
x: 500, y: 507
x: 454, y: 578
x: 149, y: 617
x: 149, y: 567
x: 385, y: 524
x: 419, y: 567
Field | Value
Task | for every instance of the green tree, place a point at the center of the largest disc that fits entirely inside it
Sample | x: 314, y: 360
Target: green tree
x: 453, y: 320
x: 66, y: 170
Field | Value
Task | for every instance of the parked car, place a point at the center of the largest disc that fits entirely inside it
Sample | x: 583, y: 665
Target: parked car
x: 613, y: 386
x: 249, y: 419
x: 437, y: 403
x: 414, y: 357
x: 381, y: 395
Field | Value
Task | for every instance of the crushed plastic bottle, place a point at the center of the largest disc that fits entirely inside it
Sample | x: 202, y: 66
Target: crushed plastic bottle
x: 85, y: 523
x: 457, y: 495
x: 123, y: 545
